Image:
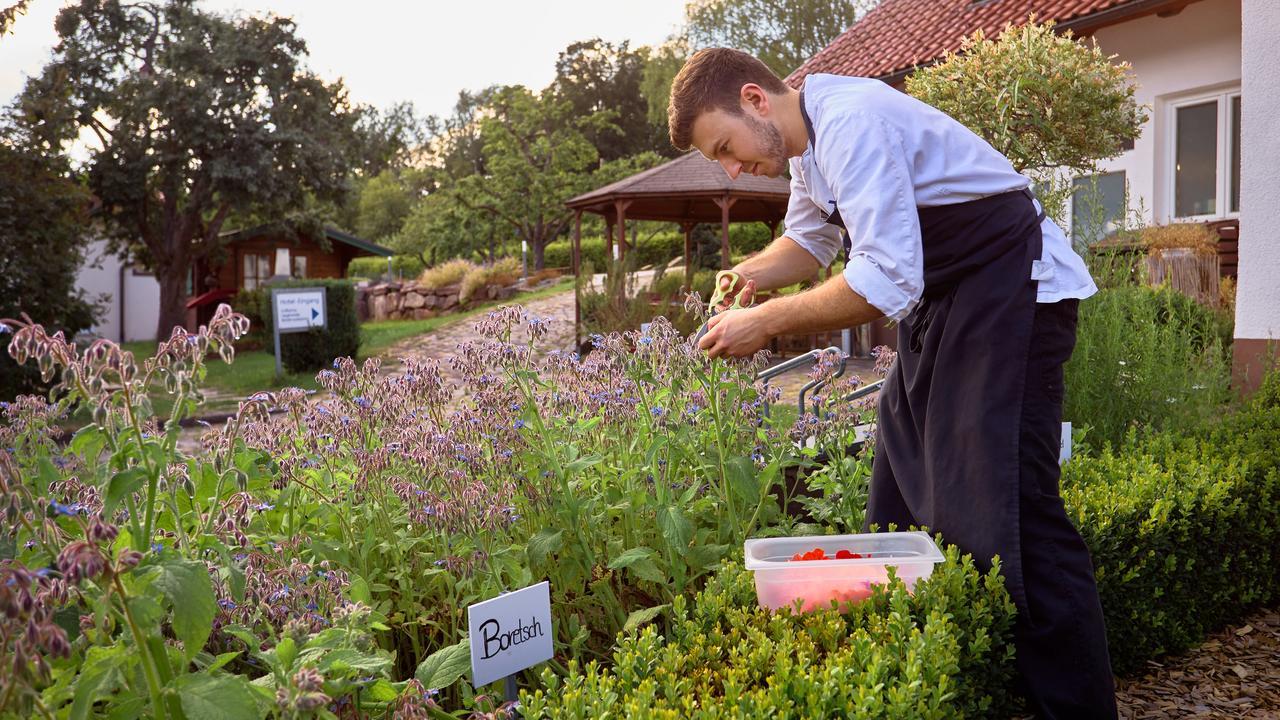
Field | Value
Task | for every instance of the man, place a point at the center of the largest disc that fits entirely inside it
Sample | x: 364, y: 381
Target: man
x: 946, y: 239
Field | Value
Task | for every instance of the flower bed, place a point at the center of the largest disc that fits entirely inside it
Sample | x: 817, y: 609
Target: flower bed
x: 320, y: 560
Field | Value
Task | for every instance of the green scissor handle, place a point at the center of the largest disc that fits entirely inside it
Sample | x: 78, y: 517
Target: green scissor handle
x: 719, y: 292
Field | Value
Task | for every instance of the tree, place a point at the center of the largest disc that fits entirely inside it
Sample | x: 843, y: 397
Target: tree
x: 595, y: 76
x: 42, y: 227
x: 389, y: 140
x: 659, y: 72
x: 781, y: 33
x: 10, y: 14
x: 385, y: 201
x: 1052, y: 105
x: 196, y: 116
x: 536, y: 156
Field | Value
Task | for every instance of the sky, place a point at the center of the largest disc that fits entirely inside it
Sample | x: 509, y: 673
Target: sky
x: 424, y: 51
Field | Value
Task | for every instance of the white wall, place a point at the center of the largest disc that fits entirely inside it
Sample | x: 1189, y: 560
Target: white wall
x: 1258, y: 292
x: 101, y: 275
x: 1196, y: 50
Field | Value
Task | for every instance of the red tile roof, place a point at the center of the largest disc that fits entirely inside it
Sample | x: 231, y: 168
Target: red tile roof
x: 901, y: 34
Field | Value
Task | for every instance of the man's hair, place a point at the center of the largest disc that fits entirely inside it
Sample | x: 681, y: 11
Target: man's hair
x: 712, y: 80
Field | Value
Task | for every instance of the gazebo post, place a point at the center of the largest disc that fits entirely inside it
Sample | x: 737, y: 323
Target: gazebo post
x: 620, y: 209
x: 725, y: 203
x: 688, y: 255
x: 608, y: 240
x: 576, y: 261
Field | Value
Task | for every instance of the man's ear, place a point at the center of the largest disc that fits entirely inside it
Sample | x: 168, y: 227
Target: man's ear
x: 755, y: 98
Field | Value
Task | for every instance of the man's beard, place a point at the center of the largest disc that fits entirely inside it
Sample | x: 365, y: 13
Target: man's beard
x: 769, y: 138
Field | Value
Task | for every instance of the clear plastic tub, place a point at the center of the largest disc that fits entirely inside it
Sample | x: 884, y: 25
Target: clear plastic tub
x: 782, y: 581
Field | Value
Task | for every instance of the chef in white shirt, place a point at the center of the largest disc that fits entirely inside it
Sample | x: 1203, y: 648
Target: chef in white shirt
x: 943, y: 236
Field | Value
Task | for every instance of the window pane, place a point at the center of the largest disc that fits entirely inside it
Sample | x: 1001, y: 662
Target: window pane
x: 1234, y: 205
x: 1195, y: 175
x: 1097, y: 206
x: 249, y: 278
x: 299, y: 266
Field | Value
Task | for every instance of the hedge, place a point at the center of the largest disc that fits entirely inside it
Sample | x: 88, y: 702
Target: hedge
x: 375, y: 268
x: 313, y: 349
x: 657, y: 248
x: 943, y: 652
x: 1184, y: 530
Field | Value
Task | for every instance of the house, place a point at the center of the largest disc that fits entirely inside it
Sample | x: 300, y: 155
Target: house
x: 249, y: 259
x: 1197, y: 160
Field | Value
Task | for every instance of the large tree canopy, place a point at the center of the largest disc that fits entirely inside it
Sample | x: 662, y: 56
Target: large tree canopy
x: 196, y: 117
x: 781, y: 33
x: 597, y: 76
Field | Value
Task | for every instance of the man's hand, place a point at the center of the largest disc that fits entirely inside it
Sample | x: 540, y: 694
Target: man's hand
x: 735, y: 333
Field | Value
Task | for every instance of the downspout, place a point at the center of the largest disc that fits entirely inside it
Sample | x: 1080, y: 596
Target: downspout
x: 121, y: 284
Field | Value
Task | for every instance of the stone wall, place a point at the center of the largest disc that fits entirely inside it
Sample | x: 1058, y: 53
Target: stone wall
x: 410, y: 301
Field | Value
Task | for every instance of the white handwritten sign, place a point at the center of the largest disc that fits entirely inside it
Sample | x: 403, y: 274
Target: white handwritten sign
x: 1064, y: 444
x: 510, y: 633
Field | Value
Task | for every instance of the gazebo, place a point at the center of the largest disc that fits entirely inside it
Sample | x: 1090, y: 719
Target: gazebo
x: 687, y: 191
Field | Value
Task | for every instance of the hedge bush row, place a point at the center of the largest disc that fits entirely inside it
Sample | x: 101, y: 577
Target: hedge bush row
x: 1184, y: 529
x: 373, y: 268
x: 313, y: 349
x: 943, y: 652
x: 655, y: 249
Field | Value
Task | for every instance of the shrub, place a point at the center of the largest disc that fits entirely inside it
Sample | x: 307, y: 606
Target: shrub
x: 1184, y: 530
x: 450, y: 273
x: 375, y: 268
x: 943, y: 652
x: 1046, y: 101
x: 658, y: 248
x: 503, y: 272
x: 1147, y: 357
x: 316, y: 349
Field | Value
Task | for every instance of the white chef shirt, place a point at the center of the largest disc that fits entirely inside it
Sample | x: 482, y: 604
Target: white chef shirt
x: 879, y: 154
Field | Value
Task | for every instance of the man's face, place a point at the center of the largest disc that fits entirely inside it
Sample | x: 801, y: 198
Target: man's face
x: 741, y: 143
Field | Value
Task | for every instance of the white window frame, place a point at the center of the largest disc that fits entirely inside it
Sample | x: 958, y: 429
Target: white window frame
x: 1223, y: 187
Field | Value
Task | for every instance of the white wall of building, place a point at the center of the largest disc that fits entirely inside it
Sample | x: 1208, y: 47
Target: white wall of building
x: 1195, y: 51
x: 1258, y: 293
x: 102, y: 277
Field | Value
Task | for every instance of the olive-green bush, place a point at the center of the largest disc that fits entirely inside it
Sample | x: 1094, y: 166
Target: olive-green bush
x: 1184, y: 529
x: 1146, y: 357
x: 943, y: 652
x: 375, y: 268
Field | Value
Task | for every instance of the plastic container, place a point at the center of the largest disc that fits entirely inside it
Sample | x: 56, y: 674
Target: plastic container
x: 782, y: 581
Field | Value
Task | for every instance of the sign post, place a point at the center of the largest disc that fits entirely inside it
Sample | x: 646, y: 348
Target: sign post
x: 296, y: 310
x: 508, y: 634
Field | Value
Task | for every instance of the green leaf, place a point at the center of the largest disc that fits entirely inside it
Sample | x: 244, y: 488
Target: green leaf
x: 222, y: 660
x: 675, y: 526
x: 216, y: 697
x: 381, y: 691
x: 445, y: 666
x: 543, y: 544
x: 99, y: 677
x: 358, y: 590
x: 631, y: 557
x: 122, y: 485
x: 187, y: 586
x: 88, y: 442
x: 344, y: 660
x: 742, y: 479
x: 47, y: 475
x: 286, y: 653
x: 640, y: 617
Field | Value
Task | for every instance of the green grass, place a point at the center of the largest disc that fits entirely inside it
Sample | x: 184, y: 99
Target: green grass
x: 255, y: 370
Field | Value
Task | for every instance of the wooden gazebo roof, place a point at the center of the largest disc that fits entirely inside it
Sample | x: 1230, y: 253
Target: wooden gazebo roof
x: 689, y: 189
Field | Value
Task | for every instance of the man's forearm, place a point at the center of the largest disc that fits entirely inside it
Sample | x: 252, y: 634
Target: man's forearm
x: 829, y: 306
x: 782, y: 263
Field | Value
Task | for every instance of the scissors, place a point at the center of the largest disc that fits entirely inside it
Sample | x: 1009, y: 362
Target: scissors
x: 717, y: 296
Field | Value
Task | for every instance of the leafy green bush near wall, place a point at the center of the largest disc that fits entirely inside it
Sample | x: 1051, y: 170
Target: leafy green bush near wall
x: 943, y: 652
x: 375, y: 268
x: 1149, y: 357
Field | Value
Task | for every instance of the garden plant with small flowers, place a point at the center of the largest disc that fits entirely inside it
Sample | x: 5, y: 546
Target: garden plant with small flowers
x: 315, y: 558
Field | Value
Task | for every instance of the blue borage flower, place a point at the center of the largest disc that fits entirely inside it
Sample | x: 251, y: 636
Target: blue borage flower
x: 226, y: 604
x: 70, y: 510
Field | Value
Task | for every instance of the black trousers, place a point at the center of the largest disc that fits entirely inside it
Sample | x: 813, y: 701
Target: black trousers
x: 1062, y: 657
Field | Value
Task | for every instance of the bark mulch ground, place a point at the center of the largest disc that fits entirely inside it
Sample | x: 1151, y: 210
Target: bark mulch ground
x: 1234, y: 674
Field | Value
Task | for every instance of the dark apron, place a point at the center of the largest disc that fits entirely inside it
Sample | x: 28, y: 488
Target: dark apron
x: 947, y: 442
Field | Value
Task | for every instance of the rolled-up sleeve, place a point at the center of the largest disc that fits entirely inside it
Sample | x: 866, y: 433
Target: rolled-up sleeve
x: 804, y: 224
x: 864, y: 161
